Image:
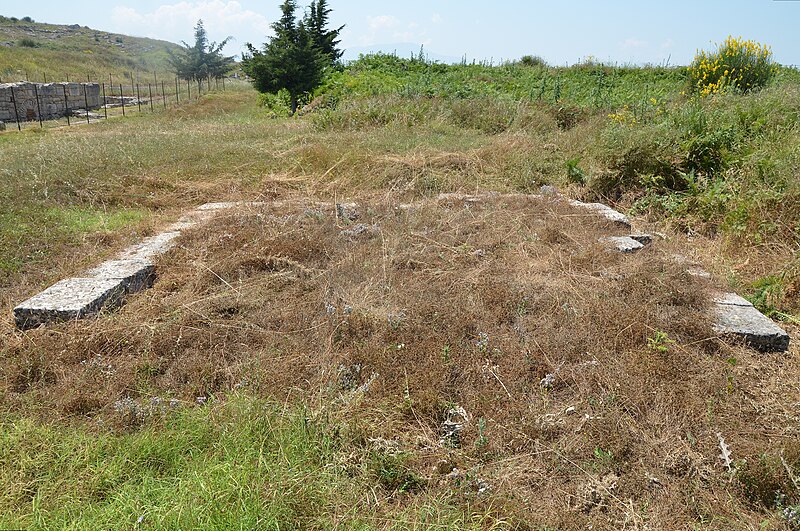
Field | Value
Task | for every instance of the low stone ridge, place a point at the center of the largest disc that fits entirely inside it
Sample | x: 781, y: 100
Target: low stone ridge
x: 152, y: 246
x: 623, y: 244
x: 737, y: 317
x: 105, y: 286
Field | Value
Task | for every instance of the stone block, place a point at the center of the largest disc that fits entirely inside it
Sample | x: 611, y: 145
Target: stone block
x: 70, y: 299
x: 134, y: 274
x: 623, y: 244
x: 736, y: 317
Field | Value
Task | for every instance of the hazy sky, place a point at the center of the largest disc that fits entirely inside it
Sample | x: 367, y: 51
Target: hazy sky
x: 624, y: 31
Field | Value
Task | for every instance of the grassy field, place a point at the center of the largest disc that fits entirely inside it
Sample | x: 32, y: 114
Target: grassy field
x: 41, y: 52
x: 326, y: 366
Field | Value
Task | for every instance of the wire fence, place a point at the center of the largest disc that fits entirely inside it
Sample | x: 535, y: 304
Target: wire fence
x: 27, y: 104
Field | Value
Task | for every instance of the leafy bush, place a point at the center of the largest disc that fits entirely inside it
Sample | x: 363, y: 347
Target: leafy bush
x: 737, y: 63
x: 532, y: 60
x: 28, y: 43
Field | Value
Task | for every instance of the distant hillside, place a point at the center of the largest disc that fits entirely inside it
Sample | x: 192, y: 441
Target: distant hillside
x: 34, y: 50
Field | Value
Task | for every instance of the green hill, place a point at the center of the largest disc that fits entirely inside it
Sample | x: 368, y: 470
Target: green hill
x: 38, y: 52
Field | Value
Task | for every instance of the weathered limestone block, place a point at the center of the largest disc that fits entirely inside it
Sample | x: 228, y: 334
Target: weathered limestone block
x: 73, y: 298
x: 135, y: 274
x: 735, y: 316
x: 103, y: 287
x: 623, y: 244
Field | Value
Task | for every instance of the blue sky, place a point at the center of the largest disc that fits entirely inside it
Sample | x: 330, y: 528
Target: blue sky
x: 624, y: 31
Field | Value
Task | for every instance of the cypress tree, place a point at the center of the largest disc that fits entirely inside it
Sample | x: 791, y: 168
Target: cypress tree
x: 290, y: 60
x: 325, y: 40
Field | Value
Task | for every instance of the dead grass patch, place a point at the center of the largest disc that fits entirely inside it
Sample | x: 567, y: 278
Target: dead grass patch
x: 593, y: 383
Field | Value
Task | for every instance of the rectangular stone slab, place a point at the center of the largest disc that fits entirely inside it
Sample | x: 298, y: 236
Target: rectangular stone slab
x: 135, y: 274
x: 70, y: 299
x: 152, y: 246
x: 735, y: 316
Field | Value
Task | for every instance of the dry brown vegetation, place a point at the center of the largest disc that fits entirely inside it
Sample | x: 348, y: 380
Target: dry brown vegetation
x: 434, y: 304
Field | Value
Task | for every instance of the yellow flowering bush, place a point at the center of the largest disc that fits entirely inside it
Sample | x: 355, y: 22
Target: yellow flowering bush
x: 737, y: 63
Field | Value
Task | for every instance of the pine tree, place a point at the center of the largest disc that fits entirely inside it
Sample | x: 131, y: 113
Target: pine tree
x: 325, y: 40
x: 203, y: 60
x: 290, y: 60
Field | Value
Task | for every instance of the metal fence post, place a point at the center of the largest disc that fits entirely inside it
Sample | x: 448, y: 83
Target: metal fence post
x: 38, y: 105
x: 86, y: 102
x: 105, y: 102
x: 66, y: 103
x: 164, y: 95
x: 138, y: 97
x: 150, y: 87
x: 189, y: 88
x: 16, y: 112
x: 177, y: 98
x: 122, y: 99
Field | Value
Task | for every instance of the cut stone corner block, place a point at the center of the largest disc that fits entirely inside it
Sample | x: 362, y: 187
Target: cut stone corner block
x: 70, y: 299
x: 103, y: 287
x: 622, y: 244
x: 736, y: 317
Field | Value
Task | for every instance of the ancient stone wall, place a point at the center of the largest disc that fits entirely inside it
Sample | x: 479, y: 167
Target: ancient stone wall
x: 51, y: 100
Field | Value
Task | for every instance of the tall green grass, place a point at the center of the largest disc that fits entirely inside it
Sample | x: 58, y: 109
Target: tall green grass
x: 241, y: 464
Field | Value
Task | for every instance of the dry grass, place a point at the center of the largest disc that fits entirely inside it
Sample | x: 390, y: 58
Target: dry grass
x: 437, y: 304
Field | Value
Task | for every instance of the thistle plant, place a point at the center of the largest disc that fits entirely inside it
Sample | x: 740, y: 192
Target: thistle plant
x: 737, y: 63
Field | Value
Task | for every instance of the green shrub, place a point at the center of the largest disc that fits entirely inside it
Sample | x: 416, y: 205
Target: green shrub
x: 532, y: 60
x: 28, y: 43
x: 737, y: 63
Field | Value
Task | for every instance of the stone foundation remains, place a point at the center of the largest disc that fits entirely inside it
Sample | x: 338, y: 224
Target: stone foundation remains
x: 51, y: 100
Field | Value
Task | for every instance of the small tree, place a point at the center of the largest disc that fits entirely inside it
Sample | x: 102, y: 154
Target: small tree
x: 295, y: 58
x: 203, y: 60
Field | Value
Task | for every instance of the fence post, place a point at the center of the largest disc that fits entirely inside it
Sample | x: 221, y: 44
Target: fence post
x: 45, y: 77
x: 38, y: 105
x: 86, y: 102
x: 189, y: 88
x: 122, y: 99
x: 164, y: 95
x: 138, y: 97
x: 16, y: 112
x: 66, y: 103
x: 177, y: 98
x: 223, y: 84
x: 105, y: 102
x: 150, y: 87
